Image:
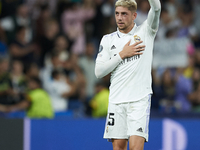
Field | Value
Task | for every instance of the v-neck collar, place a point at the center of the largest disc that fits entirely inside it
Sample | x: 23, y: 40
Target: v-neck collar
x: 120, y: 34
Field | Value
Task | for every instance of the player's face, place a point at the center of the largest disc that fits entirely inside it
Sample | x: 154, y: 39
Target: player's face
x: 124, y: 19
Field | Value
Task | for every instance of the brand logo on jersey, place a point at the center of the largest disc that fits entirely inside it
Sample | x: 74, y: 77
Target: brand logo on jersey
x: 113, y: 47
x: 137, y: 38
x: 139, y: 130
x: 100, y: 48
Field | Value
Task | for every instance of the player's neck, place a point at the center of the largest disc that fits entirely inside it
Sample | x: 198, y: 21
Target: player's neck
x: 128, y: 29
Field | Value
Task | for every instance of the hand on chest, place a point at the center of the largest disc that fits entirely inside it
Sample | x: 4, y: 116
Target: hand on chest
x: 117, y: 44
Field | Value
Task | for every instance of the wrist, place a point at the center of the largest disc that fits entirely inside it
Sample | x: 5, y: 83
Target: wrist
x: 122, y: 55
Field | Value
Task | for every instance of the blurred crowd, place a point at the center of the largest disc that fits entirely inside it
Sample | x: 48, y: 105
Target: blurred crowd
x: 48, y: 50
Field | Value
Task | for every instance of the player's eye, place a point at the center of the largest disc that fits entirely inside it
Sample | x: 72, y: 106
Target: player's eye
x: 116, y: 13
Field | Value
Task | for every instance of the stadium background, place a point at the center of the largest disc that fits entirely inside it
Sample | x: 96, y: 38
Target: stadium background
x: 46, y: 38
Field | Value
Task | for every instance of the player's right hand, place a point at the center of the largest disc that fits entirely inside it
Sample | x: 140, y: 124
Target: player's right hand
x: 131, y: 50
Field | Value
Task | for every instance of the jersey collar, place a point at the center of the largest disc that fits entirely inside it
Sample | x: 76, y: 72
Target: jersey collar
x: 120, y: 34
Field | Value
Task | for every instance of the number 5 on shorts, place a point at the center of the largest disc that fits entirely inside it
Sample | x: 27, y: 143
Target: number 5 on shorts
x: 111, y: 120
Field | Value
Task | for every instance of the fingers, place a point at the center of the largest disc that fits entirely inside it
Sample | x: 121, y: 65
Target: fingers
x: 139, y: 50
x: 140, y: 46
x: 136, y: 43
x: 128, y: 42
x: 139, y: 53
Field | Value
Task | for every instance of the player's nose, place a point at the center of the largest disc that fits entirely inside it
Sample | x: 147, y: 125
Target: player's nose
x: 119, y: 17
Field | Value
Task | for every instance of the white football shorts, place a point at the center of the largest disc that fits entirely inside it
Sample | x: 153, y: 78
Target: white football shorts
x: 127, y: 119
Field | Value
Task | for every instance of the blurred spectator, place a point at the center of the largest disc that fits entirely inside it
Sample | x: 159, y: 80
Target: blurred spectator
x: 167, y: 98
x: 43, y: 17
x: 190, y: 68
x: 35, y: 7
x: 73, y: 20
x: 167, y: 24
x: 7, y: 94
x: 86, y: 62
x: 46, y: 42
x: 196, y: 5
x: 75, y: 74
x: 97, y: 22
x: 60, y: 89
x: 156, y: 97
x: 20, y: 18
x: 108, y: 12
x: 45, y: 73
x: 194, y: 98
x: 103, y: 22
x: 3, y: 48
x: 187, y: 28
x: 195, y: 78
x: 107, y: 9
x: 197, y: 58
x: 99, y: 103
x: 32, y: 71
x: 171, y: 6
x: 71, y: 69
x: 142, y: 12
x: 18, y: 79
x: 183, y: 88
x: 61, y: 48
x: 20, y: 49
x: 111, y: 25
x: 8, y: 8
x: 37, y: 102
x: 2, y: 39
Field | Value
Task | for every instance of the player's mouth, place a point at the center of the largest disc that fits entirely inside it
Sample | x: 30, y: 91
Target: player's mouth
x: 120, y: 23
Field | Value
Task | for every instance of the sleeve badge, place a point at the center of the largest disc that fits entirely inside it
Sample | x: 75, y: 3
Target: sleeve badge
x: 100, y: 48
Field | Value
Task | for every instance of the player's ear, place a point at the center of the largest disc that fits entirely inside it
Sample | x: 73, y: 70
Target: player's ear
x: 134, y: 15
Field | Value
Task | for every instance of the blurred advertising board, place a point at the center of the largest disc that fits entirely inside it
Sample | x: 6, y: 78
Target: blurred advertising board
x: 87, y: 134
x: 171, y: 52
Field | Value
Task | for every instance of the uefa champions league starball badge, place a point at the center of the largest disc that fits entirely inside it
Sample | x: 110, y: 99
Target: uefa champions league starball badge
x: 100, y: 48
x: 137, y: 38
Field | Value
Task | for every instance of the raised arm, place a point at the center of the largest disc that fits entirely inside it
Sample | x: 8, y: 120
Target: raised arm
x: 154, y: 14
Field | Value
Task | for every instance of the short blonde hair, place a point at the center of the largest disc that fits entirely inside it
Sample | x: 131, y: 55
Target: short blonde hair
x: 130, y: 4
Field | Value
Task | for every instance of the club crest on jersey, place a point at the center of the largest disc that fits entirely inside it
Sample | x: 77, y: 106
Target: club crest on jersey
x: 107, y: 129
x: 100, y: 48
x: 137, y: 38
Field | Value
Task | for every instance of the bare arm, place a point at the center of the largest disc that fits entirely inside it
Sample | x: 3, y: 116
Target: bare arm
x: 17, y: 51
x: 23, y: 105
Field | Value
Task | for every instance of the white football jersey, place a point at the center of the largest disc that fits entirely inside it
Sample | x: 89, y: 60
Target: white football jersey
x: 131, y: 78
